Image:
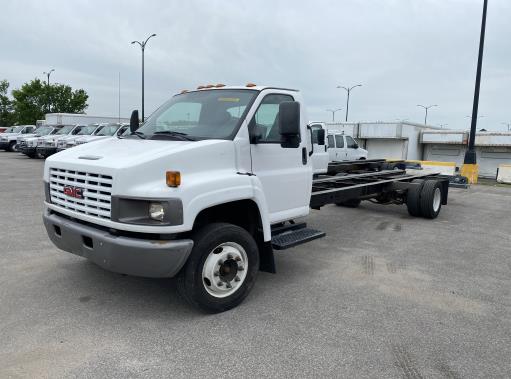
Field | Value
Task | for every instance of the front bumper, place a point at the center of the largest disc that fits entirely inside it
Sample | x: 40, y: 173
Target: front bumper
x: 28, y: 150
x: 125, y: 255
x: 4, y: 145
x: 46, y: 151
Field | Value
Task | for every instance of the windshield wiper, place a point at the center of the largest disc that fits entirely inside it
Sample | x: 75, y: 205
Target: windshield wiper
x: 138, y: 134
x: 179, y: 135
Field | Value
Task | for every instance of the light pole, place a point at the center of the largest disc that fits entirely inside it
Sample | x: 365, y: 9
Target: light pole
x: 426, y: 107
x: 142, y: 46
x: 48, y: 88
x: 470, y: 169
x: 48, y: 75
x: 348, y: 90
x: 508, y: 124
x: 333, y: 112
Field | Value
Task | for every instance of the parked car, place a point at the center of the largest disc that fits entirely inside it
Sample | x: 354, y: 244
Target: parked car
x: 107, y: 131
x: 69, y: 140
x: 8, y: 141
x: 342, y: 147
x: 47, y: 145
x: 28, y: 144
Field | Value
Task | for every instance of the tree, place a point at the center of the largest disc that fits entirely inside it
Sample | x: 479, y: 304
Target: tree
x: 36, y: 98
x: 6, y: 111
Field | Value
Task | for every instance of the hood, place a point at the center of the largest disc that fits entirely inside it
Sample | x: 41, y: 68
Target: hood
x: 9, y: 134
x: 114, y: 153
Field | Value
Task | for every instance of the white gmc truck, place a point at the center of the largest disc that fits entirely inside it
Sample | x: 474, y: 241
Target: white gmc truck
x: 208, y: 187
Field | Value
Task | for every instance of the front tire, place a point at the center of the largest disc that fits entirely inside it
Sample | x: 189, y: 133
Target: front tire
x: 13, y: 146
x: 221, y: 269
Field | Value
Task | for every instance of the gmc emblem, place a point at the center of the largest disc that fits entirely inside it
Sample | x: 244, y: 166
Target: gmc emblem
x: 75, y: 192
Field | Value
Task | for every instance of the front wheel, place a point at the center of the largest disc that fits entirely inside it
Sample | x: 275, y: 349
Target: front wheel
x: 221, y: 269
x: 13, y: 146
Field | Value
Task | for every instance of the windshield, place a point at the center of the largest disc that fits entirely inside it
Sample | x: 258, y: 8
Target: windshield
x: 86, y: 130
x: 211, y: 114
x: 43, y: 130
x: 65, y: 130
x: 108, y: 130
x: 17, y: 129
x: 9, y: 130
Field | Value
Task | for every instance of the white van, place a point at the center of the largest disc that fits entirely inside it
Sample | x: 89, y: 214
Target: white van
x: 343, y: 148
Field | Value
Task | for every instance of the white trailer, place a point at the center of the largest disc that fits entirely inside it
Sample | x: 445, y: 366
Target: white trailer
x: 81, y: 119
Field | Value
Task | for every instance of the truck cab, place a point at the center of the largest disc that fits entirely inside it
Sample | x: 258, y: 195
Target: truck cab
x: 206, y: 189
x: 9, y: 142
x: 342, y: 147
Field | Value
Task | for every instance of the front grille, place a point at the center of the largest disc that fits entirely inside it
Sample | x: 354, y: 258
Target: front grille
x: 97, y: 191
x: 22, y: 143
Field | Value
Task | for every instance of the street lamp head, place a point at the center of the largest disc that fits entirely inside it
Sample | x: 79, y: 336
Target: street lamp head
x: 153, y: 35
x: 133, y: 42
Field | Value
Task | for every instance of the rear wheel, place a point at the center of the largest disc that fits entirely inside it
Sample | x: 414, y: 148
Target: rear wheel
x: 221, y: 269
x: 431, y: 199
x: 353, y: 203
x: 413, y: 198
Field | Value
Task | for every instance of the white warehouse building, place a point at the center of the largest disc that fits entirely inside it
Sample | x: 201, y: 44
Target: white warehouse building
x: 410, y: 141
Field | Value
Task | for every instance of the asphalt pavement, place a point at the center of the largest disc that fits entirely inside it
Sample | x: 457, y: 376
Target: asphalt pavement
x: 382, y: 295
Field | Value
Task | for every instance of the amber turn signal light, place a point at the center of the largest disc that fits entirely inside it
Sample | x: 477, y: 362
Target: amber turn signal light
x: 173, y: 178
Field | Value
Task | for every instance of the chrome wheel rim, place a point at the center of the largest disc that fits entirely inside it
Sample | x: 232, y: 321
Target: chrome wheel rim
x: 225, y: 269
x: 437, y: 199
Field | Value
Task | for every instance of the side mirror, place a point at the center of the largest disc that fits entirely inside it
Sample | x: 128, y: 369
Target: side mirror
x: 321, y: 137
x: 289, y: 124
x: 134, y: 121
x: 355, y: 146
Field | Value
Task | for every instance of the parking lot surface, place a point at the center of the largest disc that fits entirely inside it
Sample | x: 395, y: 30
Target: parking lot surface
x: 383, y: 295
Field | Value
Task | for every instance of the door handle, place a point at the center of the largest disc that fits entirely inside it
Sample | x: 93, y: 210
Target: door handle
x: 304, y: 155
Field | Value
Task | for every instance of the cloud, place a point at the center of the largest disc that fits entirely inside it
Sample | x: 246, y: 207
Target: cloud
x: 404, y: 52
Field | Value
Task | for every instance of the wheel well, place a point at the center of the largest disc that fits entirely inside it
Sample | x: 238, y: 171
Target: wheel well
x: 243, y: 213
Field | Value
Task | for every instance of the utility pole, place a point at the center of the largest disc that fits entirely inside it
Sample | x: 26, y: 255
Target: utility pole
x: 426, y: 107
x: 333, y: 112
x: 348, y: 90
x: 48, y: 88
x: 142, y: 46
x: 470, y: 169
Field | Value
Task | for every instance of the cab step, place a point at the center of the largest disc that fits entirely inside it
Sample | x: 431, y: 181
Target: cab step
x: 292, y: 238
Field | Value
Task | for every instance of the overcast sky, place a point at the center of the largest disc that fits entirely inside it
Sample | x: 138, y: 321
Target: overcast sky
x: 404, y: 52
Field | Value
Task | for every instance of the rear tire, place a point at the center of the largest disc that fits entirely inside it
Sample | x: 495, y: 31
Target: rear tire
x: 353, y: 203
x: 221, y: 269
x: 413, y: 198
x: 431, y: 199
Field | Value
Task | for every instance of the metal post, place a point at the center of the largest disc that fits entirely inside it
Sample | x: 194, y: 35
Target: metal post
x: 348, y: 90
x: 470, y: 154
x: 48, y: 84
x: 426, y: 107
x: 333, y: 112
x: 143, y: 49
x: 142, y: 46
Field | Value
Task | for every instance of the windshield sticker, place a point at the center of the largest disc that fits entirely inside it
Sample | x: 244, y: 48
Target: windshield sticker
x: 229, y: 99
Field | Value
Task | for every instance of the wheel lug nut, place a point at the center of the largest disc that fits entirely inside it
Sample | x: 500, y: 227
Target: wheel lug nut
x: 220, y: 284
x: 237, y: 279
x: 229, y: 256
x: 241, y: 268
x: 220, y: 263
x: 216, y: 273
x: 238, y: 259
x: 228, y: 285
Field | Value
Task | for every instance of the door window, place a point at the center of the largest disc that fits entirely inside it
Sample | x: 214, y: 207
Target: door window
x: 330, y: 139
x: 265, y: 122
x: 351, y: 143
x: 339, y: 141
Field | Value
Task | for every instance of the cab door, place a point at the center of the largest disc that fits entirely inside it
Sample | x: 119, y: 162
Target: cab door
x: 332, y: 151
x: 340, y: 147
x: 285, y: 174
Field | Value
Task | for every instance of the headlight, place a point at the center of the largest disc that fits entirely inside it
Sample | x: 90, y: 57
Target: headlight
x: 156, y: 211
